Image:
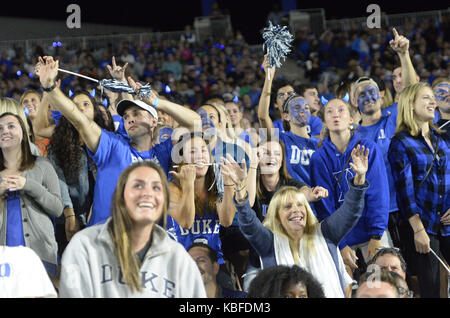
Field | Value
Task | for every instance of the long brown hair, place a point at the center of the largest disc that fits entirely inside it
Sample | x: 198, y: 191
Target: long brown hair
x: 201, y: 207
x: 27, y: 159
x: 283, y: 170
x: 120, y: 225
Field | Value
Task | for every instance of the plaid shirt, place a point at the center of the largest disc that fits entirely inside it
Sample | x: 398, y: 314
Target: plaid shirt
x: 410, y: 158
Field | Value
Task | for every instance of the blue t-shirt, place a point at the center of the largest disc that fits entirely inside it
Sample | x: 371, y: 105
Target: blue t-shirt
x: 14, y: 225
x: 204, y: 229
x: 381, y: 133
x: 391, y: 109
x: 114, y: 154
x: 298, y: 154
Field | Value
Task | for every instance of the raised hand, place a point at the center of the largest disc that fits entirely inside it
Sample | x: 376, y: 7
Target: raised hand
x: 186, y: 175
x: 232, y: 172
x: 270, y: 71
x: 47, y: 70
x: 360, y: 158
x: 399, y: 44
x: 117, y: 72
x: 137, y: 86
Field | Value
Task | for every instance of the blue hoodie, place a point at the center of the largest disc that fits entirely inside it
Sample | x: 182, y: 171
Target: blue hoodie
x: 326, y: 166
x: 381, y: 133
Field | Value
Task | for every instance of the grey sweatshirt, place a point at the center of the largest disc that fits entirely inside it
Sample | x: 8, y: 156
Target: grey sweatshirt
x: 91, y: 269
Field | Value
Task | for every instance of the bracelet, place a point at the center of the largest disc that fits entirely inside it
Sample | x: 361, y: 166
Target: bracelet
x: 156, y: 102
x: 228, y: 185
x: 419, y: 230
x: 70, y: 216
x: 49, y: 89
x: 253, y: 167
x: 241, y: 188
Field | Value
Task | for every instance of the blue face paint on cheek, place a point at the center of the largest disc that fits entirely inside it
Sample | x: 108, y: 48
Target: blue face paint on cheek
x: 369, y: 94
x: 165, y: 133
x: 206, y: 122
x: 442, y: 92
x: 299, y: 112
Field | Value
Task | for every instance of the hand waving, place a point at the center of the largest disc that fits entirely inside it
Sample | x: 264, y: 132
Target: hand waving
x: 360, y: 164
x: 47, y: 70
x: 232, y: 172
x: 360, y: 158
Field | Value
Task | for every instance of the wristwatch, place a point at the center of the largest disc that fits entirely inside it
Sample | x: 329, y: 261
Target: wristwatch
x: 49, y: 89
x: 375, y: 237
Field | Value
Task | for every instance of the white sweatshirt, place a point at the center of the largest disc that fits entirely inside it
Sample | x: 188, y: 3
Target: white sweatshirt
x: 90, y: 268
x: 22, y: 274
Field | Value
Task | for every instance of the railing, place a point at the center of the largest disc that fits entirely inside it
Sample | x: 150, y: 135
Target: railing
x: 221, y: 26
x: 398, y: 20
x: 93, y: 42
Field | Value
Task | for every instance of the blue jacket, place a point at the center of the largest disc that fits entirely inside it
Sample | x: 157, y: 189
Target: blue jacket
x: 381, y: 133
x: 334, y: 228
x: 327, y: 163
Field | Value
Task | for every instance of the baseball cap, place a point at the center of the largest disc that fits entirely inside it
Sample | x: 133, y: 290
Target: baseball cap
x: 125, y: 103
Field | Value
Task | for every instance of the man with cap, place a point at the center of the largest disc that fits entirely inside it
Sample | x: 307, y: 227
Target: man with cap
x: 111, y: 152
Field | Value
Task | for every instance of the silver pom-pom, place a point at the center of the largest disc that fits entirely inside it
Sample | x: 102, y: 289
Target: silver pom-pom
x: 277, y: 43
x: 121, y: 87
x: 218, y: 181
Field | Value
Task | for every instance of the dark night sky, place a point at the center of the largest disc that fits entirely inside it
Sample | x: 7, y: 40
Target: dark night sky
x: 249, y: 16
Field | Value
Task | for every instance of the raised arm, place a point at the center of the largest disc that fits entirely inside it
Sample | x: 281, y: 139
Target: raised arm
x: 182, y: 202
x: 184, y: 116
x: 336, y: 226
x: 117, y: 72
x: 41, y: 124
x: 264, y: 101
x: 89, y: 131
x: 400, y: 44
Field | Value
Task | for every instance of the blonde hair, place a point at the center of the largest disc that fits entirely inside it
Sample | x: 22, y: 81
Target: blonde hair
x: 405, y: 117
x: 10, y: 105
x: 272, y: 220
x: 121, y: 225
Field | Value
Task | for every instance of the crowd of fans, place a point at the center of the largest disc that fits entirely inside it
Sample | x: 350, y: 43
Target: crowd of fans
x: 338, y: 195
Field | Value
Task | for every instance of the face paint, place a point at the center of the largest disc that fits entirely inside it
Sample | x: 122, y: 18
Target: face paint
x: 442, y: 92
x: 164, y: 134
x: 368, y: 95
x: 299, y: 111
x: 206, y: 122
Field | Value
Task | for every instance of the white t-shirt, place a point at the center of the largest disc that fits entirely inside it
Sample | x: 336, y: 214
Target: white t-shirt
x: 22, y: 274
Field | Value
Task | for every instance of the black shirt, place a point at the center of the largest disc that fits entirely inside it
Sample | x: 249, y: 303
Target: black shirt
x: 260, y: 207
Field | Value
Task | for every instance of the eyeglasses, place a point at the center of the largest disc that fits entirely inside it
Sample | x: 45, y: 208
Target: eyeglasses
x: 283, y: 95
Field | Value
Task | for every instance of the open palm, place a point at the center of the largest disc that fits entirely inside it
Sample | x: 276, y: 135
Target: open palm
x: 360, y: 160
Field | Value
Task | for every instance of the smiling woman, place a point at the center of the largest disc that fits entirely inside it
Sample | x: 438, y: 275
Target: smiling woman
x: 145, y: 258
x: 419, y: 156
x: 291, y: 234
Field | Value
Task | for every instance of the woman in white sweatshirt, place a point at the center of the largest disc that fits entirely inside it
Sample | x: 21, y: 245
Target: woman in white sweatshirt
x: 131, y: 255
